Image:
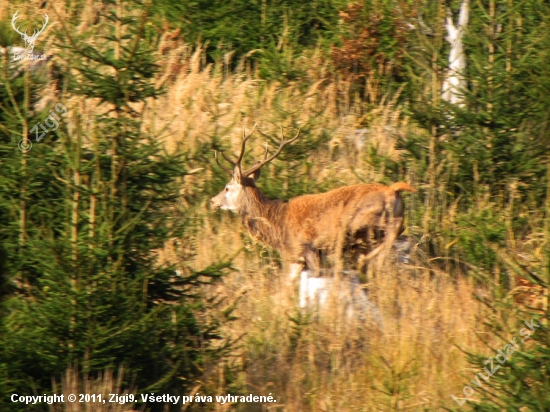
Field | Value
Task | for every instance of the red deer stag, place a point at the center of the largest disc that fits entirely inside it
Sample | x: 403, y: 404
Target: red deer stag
x: 306, y: 225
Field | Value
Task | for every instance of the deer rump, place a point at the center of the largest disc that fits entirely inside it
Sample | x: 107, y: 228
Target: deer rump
x: 328, y: 222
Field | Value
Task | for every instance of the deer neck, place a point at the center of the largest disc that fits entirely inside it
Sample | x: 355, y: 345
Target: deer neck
x: 263, y: 218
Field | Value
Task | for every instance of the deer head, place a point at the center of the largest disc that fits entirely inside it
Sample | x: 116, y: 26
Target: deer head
x: 29, y: 40
x: 229, y: 197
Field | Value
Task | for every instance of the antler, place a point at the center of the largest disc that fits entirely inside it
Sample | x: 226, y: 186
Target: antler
x: 13, y: 20
x: 237, y: 163
x: 220, y: 165
x: 266, y: 160
x: 259, y: 164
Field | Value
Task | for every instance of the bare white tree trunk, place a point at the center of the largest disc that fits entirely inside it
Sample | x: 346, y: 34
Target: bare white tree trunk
x: 454, y: 82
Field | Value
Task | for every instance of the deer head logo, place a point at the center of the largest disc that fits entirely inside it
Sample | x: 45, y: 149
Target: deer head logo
x: 29, y: 40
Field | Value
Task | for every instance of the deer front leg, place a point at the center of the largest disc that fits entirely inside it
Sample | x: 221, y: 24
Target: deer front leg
x: 294, y: 270
x: 311, y: 257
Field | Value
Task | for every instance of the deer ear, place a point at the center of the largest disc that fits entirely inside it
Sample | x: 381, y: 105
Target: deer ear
x: 256, y: 174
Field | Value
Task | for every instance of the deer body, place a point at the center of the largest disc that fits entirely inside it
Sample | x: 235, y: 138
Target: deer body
x: 305, y: 225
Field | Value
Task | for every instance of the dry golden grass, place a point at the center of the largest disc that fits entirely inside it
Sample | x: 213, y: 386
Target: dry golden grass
x: 104, y: 385
x: 412, y: 363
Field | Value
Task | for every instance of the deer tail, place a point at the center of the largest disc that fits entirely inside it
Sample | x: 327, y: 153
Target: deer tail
x: 397, y: 187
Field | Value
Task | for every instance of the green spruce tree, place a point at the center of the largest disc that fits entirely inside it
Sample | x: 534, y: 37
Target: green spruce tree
x: 83, y: 212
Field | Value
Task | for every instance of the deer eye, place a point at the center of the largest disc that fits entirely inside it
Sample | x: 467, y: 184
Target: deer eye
x: 227, y: 189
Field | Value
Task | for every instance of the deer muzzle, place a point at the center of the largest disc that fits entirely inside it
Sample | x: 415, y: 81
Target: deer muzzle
x: 215, y: 203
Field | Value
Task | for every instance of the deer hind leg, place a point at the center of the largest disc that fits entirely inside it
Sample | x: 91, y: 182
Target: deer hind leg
x: 361, y: 245
x: 376, y: 241
x: 364, y: 230
x: 394, y: 227
x: 373, y: 253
